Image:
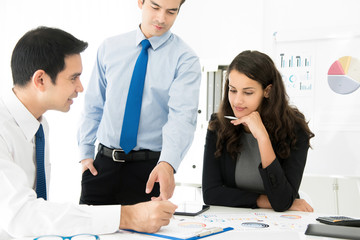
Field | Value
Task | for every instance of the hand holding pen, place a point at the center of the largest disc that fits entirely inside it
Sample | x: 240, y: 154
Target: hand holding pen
x: 252, y: 123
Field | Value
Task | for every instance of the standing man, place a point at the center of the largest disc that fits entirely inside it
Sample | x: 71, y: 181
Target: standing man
x: 169, y: 102
x: 46, y: 68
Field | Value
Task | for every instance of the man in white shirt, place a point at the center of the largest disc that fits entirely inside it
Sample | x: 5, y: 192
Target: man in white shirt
x: 46, y: 67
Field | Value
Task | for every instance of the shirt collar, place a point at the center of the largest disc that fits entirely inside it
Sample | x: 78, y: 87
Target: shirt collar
x: 156, y: 41
x: 26, y: 121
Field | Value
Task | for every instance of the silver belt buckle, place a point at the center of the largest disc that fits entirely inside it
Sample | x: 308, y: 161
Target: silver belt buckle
x: 113, y: 156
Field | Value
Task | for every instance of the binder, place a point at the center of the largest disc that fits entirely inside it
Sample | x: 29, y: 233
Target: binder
x: 218, y: 89
x: 210, y: 95
x: 199, y: 235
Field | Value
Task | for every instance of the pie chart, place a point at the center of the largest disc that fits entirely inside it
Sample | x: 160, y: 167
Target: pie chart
x: 344, y: 75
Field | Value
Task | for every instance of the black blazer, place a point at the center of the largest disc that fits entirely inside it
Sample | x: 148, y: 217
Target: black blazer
x: 281, y: 178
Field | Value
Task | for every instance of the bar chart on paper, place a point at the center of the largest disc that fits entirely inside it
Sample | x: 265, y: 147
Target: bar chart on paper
x: 297, y: 72
x: 344, y: 75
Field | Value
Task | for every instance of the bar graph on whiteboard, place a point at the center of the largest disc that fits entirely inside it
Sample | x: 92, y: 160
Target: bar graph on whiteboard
x: 297, y: 72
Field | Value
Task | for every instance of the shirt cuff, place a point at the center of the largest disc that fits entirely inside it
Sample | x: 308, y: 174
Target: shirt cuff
x: 170, y: 158
x: 87, y: 151
x: 106, y: 219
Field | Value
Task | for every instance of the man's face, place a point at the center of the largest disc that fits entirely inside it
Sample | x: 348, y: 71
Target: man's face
x: 60, y: 95
x: 158, y: 16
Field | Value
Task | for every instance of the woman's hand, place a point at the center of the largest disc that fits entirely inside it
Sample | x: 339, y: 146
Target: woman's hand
x: 298, y: 204
x: 254, y: 124
x: 301, y: 205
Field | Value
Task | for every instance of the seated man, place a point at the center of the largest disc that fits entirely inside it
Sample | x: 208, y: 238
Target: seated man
x: 46, y: 68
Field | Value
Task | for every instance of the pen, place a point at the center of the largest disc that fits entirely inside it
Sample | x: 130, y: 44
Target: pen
x: 231, y: 117
x: 210, y: 231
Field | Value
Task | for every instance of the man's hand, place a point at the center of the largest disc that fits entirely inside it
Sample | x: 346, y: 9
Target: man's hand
x: 301, y: 205
x: 147, y: 216
x: 88, y: 164
x: 163, y: 173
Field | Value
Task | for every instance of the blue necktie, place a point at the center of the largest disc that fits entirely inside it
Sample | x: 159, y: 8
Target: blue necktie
x: 130, y: 125
x: 40, y: 168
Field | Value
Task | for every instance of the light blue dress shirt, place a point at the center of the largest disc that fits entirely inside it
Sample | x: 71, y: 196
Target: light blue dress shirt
x: 170, y: 98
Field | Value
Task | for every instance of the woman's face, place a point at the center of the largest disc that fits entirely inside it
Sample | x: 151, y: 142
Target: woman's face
x: 245, y: 94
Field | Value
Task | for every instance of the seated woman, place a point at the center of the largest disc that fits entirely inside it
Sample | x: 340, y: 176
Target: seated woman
x: 258, y: 159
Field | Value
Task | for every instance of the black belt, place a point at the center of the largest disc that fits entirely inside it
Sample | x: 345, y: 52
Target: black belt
x: 118, y: 155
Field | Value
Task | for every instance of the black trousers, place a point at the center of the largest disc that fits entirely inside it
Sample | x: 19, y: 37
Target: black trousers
x: 117, y: 182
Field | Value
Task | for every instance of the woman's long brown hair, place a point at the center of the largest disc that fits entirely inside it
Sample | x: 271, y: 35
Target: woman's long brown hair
x: 280, y: 119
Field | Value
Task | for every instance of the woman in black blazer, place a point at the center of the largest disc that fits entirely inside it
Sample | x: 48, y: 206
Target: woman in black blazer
x: 258, y: 159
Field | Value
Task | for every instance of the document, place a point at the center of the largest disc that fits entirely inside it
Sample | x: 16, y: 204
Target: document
x: 187, y: 229
x: 207, y: 224
x: 260, y: 221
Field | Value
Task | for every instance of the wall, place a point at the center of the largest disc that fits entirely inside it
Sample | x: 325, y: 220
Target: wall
x: 215, y: 30
x: 304, y: 20
x: 320, y: 20
x: 222, y: 32
x: 88, y: 20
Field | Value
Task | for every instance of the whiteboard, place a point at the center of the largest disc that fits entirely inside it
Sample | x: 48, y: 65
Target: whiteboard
x: 304, y: 59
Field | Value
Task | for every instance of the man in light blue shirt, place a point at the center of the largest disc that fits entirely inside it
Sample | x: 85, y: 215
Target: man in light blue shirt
x: 167, y: 119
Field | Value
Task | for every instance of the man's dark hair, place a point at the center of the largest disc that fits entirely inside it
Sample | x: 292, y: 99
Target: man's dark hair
x: 181, y: 3
x: 43, y: 48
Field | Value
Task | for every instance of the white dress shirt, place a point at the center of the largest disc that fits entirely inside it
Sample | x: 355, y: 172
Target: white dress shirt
x: 21, y: 212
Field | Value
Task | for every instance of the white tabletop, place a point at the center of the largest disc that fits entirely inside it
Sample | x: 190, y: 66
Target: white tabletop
x: 280, y: 225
